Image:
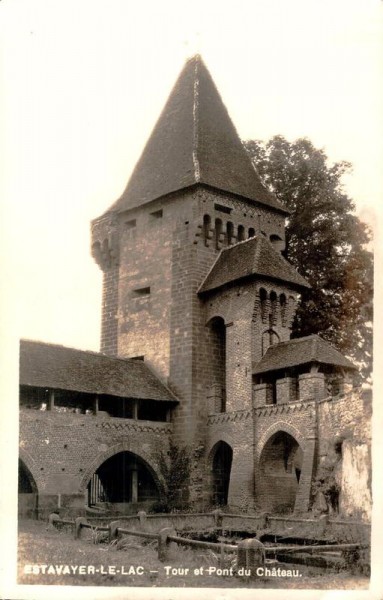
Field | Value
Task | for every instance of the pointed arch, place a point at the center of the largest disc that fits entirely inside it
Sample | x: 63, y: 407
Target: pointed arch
x: 125, y: 446
x: 279, y: 472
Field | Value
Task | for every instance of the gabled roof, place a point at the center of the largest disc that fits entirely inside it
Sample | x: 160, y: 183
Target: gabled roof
x: 300, y: 351
x: 253, y: 257
x: 58, y: 367
x: 194, y: 141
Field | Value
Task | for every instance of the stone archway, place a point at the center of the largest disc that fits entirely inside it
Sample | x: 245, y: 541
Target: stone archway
x: 125, y: 446
x: 123, y: 474
x: 26, y: 481
x: 28, y: 499
x: 122, y: 478
x: 279, y: 473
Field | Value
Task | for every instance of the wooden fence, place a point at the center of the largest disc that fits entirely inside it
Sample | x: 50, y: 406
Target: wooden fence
x: 249, y: 552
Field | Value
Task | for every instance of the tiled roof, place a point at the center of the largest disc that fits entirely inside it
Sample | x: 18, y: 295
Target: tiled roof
x: 253, y: 257
x: 58, y: 367
x: 194, y: 141
x: 300, y: 351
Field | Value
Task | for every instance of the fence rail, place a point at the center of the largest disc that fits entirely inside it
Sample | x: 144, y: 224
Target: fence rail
x: 250, y: 552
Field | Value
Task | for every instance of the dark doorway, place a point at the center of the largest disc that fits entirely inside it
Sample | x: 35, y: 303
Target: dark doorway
x: 122, y: 478
x: 222, y: 459
x: 218, y: 359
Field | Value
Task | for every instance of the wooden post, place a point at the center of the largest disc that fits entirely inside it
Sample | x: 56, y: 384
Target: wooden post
x: 53, y: 518
x: 134, y: 481
x: 135, y: 410
x: 218, y: 516
x: 113, y: 530
x: 142, y: 516
x: 77, y: 527
x: 250, y: 555
x: 51, y: 403
x: 164, y: 544
x: 95, y: 406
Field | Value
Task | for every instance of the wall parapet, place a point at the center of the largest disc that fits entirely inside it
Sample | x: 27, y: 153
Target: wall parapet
x: 113, y: 423
x: 136, y: 426
x: 290, y: 407
x: 228, y: 417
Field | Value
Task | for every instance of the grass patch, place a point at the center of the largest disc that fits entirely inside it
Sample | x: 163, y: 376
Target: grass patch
x: 133, y: 562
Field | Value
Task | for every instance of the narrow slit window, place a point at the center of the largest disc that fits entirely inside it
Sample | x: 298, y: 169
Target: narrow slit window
x: 157, y: 214
x: 224, y: 209
x: 145, y: 291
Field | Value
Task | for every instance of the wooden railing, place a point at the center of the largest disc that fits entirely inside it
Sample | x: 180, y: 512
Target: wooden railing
x: 250, y: 552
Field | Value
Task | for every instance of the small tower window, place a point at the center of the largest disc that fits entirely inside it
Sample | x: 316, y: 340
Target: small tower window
x: 142, y: 291
x: 241, y: 233
x: 283, y: 303
x: 251, y: 232
x: 222, y: 208
x: 264, y: 307
x: 131, y: 224
x: 157, y: 214
x: 273, y: 302
x: 218, y: 234
x: 230, y: 233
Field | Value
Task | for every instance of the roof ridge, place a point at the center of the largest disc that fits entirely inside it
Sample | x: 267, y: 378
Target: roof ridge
x: 94, y: 352
x: 314, y: 346
x: 250, y: 239
x: 304, y: 338
x: 197, y: 170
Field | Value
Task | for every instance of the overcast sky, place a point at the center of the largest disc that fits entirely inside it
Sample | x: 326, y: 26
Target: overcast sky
x: 84, y: 82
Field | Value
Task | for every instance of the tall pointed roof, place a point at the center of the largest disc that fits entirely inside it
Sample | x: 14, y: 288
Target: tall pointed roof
x: 194, y: 141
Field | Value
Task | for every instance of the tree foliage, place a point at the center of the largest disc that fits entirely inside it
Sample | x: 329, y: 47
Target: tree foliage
x: 325, y: 241
x: 175, y: 468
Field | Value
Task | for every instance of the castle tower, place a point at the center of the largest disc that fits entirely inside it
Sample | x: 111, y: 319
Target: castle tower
x: 194, y: 279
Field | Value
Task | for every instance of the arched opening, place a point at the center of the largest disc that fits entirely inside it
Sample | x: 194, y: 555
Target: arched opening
x: 251, y: 232
x: 217, y: 361
x: 230, y: 233
x: 122, y: 478
x: 206, y: 229
x: 283, y: 305
x: 221, y: 467
x: 280, y: 471
x: 241, y: 233
x: 273, y: 305
x: 218, y: 234
x: 264, y: 304
x: 27, y: 484
x: 277, y: 242
x: 27, y: 493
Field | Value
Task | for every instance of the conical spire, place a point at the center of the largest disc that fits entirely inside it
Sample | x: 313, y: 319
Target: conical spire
x: 194, y: 141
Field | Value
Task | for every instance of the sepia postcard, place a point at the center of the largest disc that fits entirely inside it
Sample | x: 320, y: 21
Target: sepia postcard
x: 191, y: 219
